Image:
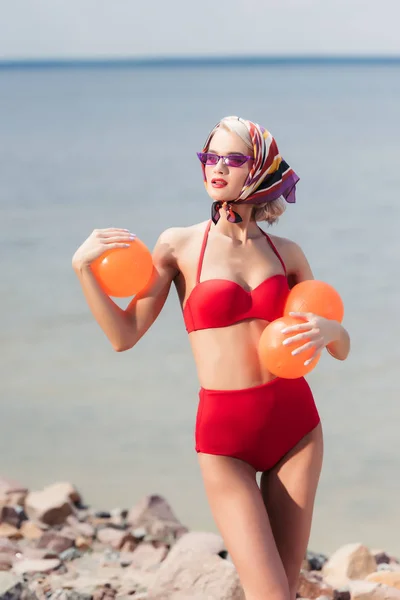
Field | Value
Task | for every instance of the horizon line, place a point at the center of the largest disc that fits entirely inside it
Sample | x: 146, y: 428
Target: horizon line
x: 194, y: 60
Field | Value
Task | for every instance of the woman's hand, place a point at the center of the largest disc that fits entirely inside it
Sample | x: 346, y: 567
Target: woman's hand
x: 98, y: 242
x: 318, y: 331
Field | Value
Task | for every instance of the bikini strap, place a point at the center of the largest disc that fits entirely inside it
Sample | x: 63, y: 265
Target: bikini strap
x: 274, y: 249
x: 202, y: 251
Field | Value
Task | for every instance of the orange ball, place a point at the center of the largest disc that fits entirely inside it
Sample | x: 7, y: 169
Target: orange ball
x: 277, y: 358
x: 316, y: 297
x: 123, y: 272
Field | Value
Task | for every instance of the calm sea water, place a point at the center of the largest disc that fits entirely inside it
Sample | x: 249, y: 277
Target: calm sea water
x: 81, y: 149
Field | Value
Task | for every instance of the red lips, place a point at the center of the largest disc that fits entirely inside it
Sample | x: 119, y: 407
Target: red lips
x: 218, y: 183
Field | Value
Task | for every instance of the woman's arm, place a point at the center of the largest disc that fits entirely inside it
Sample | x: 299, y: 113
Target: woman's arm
x: 299, y: 270
x: 124, y: 328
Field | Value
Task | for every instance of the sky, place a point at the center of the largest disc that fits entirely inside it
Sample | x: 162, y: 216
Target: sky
x: 36, y: 29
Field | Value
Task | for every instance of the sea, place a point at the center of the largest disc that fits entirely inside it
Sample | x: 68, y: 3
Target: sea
x: 85, y: 146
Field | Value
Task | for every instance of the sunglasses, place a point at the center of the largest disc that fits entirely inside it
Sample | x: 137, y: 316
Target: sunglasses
x: 233, y: 160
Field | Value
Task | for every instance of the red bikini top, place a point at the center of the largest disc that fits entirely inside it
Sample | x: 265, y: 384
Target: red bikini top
x: 221, y: 302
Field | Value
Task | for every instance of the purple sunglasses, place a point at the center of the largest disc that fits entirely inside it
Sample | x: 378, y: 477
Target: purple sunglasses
x: 233, y: 160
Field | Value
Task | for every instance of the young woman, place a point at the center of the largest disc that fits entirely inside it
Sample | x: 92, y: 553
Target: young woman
x: 232, y: 279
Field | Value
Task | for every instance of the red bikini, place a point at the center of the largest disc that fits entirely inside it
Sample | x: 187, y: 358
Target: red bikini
x: 261, y: 424
x: 220, y: 302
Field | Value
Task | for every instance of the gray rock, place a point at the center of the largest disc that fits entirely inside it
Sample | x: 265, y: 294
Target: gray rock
x: 13, y: 588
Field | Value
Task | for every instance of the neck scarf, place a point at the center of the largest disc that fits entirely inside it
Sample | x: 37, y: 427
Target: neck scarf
x: 269, y: 178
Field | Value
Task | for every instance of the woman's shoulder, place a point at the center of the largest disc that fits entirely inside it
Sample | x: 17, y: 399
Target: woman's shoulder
x: 179, y: 236
x: 291, y: 253
x: 175, y: 240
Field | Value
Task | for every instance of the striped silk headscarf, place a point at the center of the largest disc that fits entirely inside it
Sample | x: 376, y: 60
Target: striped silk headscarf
x: 269, y: 178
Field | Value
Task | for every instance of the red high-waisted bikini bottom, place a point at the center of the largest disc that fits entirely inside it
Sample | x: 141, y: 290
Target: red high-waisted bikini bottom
x: 258, y: 425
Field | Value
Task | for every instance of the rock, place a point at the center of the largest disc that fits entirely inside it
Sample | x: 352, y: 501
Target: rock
x: 11, y: 492
x: 102, y: 514
x: 37, y: 553
x: 316, y: 560
x: 139, y: 533
x: 147, y: 556
x: 9, y: 531
x: 12, y: 588
x: 6, y: 561
x: 14, y: 515
x: 70, y: 554
x: 352, y: 561
x: 31, y: 565
x: 196, y: 574
x: 368, y: 590
x: 9, y: 547
x: 200, y: 541
x: 105, y: 592
x: 61, y: 594
x: 30, y: 530
x: 381, y: 557
x: 84, y: 529
x: 52, y: 505
x: 342, y: 594
x: 311, y: 585
x: 83, y: 543
x: 391, y: 578
x: 156, y: 516
x: 55, y: 541
x: 116, y: 538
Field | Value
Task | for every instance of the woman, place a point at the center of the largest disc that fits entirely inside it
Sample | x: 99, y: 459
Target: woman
x: 232, y: 279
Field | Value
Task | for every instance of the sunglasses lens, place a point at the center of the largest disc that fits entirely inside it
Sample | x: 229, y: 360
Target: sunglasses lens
x: 212, y: 159
x: 236, y: 161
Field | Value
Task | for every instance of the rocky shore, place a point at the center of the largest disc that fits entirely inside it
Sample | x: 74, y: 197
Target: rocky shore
x: 53, y: 547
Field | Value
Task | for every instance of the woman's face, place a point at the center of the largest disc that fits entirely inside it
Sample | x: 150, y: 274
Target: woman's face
x: 225, y: 183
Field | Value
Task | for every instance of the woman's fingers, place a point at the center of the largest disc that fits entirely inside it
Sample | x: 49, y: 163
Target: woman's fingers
x: 300, y: 327
x: 109, y: 233
x: 117, y: 238
x: 311, y: 333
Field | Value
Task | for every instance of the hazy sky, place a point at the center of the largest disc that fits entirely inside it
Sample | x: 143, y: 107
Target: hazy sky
x: 101, y: 28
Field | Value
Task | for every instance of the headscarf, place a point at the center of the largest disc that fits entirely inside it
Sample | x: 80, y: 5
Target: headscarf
x: 269, y: 178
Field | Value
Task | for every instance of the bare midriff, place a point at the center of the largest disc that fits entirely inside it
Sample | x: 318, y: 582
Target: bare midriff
x: 227, y: 358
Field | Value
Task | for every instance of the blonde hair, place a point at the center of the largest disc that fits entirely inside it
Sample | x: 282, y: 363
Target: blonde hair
x: 270, y: 211
x: 234, y: 125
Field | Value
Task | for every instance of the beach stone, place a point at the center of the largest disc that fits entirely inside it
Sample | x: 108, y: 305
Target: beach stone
x: 12, y: 588
x: 37, y: 553
x: 342, y: 594
x: 352, y: 561
x: 316, y: 560
x: 380, y: 557
x: 83, y: 543
x: 6, y: 561
x: 105, y: 592
x: 55, y: 541
x: 52, y: 505
x: 391, y: 578
x: 70, y: 554
x: 312, y: 585
x: 30, y: 531
x: 368, y: 590
x: 116, y: 538
x: 147, y: 555
x: 61, y: 594
x: 79, y: 528
x: 9, y: 548
x: 198, y: 575
x: 9, y: 531
x: 156, y: 516
x: 31, y: 565
x: 11, y: 492
x: 202, y: 541
x: 14, y: 515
